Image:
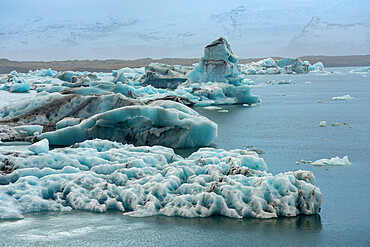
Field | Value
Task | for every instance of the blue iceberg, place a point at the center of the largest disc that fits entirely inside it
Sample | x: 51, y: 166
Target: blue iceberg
x: 99, y: 175
x: 160, y: 122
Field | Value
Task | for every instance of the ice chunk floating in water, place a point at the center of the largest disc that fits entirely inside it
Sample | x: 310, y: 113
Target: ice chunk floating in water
x: 40, y: 147
x: 344, y: 97
x: 99, y: 175
x: 333, y: 162
x: 161, y: 122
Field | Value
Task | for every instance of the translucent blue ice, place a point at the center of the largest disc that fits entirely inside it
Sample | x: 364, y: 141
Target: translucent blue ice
x: 100, y: 175
x: 165, y: 123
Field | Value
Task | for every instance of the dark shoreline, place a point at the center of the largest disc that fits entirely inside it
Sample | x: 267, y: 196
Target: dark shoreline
x: 108, y: 65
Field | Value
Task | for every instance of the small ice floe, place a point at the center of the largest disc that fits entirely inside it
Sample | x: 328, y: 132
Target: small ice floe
x: 332, y: 162
x: 344, y: 97
x: 339, y: 124
x: 259, y: 151
x: 308, y: 82
x: 305, y: 161
x: 281, y: 94
x: 248, y: 105
x: 223, y: 111
x: 40, y: 147
x: 322, y: 124
x: 211, y: 107
x: 281, y: 82
x: 360, y: 70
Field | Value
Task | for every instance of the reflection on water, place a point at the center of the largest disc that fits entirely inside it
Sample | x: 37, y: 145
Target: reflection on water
x: 113, y: 229
x: 306, y: 222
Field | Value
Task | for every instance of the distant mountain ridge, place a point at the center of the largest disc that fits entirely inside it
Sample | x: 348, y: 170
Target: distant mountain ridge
x: 319, y: 36
x: 7, y: 66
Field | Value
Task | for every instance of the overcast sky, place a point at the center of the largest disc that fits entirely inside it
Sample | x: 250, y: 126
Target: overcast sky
x: 89, y: 29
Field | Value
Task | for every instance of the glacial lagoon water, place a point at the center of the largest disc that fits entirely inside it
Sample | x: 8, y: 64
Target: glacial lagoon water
x: 286, y: 127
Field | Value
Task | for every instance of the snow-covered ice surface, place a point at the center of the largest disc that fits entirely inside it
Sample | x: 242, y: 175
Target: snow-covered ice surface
x: 100, y: 175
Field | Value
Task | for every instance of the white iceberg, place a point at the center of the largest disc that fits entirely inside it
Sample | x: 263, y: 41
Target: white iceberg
x: 286, y: 65
x: 99, y: 175
x: 344, y: 97
x: 322, y: 124
x: 332, y: 162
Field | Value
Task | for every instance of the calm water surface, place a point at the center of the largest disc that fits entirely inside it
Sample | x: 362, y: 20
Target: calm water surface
x: 287, y: 129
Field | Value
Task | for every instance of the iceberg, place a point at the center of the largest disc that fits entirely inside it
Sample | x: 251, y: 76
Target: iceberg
x: 40, y: 147
x: 99, y: 175
x: 19, y: 88
x: 363, y: 70
x: 333, y: 162
x: 29, y: 130
x: 160, y: 122
x: 316, y: 67
x: 73, y: 77
x: 49, y: 72
x: 49, y: 108
x: 217, y: 77
x: 218, y: 64
x: 286, y: 65
x: 165, y: 76
x: 344, y: 97
x: 322, y: 124
x: 66, y: 75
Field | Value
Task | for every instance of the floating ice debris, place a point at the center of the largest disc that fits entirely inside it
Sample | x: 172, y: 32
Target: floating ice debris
x: 40, y: 147
x: 339, y: 124
x: 320, y: 101
x: 28, y: 130
x: 67, y: 75
x: 332, y: 162
x: 281, y: 82
x: 212, y: 107
x: 22, y: 87
x: 281, y: 94
x: 162, y: 122
x: 223, y: 111
x: 308, y: 82
x: 317, y: 67
x: 285, y: 65
x: 259, y: 151
x: 360, y: 70
x: 322, y: 124
x: 344, y: 97
x: 100, y: 175
x: 48, y: 72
